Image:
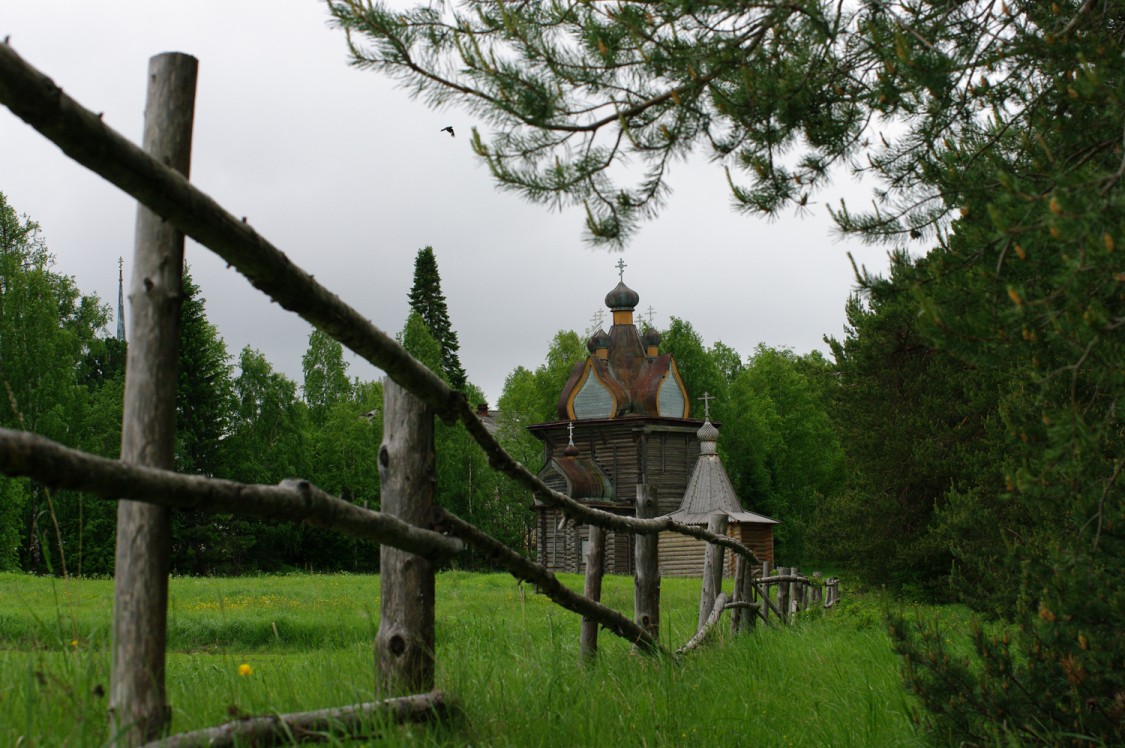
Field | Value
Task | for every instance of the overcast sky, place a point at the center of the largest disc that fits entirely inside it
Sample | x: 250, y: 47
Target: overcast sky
x: 350, y: 177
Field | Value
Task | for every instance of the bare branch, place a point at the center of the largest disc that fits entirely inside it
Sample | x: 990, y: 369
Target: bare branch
x: 50, y: 463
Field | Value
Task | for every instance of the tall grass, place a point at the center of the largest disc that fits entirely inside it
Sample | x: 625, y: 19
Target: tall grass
x: 507, y: 656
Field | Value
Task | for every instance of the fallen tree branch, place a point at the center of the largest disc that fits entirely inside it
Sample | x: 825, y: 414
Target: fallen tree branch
x: 529, y: 571
x: 50, y: 463
x: 708, y: 625
x: 285, y: 729
x: 84, y: 137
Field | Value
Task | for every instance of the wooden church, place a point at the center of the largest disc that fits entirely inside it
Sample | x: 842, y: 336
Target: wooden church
x: 623, y: 421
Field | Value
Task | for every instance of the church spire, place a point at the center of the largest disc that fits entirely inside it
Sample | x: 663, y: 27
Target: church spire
x: 120, y: 300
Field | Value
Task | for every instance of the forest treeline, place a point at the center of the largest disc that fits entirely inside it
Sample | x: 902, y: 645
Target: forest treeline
x: 950, y: 448
x: 894, y: 458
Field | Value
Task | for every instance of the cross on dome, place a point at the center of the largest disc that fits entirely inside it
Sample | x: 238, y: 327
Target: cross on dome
x: 707, y: 398
x: 570, y: 431
x: 621, y: 269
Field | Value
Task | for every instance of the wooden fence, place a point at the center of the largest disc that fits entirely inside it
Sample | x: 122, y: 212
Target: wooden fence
x: 414, y: 533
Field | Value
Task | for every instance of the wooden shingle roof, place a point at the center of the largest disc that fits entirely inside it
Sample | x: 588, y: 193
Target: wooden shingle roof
x: 709, y: 489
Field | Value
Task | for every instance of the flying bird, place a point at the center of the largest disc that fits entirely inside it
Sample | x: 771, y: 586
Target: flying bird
x: 449, y: 130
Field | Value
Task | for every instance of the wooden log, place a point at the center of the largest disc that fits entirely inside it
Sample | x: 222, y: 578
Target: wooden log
x: 712, y: 569
x: 743, y: 605
x: 84, y: 137
x: 404, y: 645
x: 646, y: 579
x: 56, y: 466
x: 285, y: 729
x: 708, y: 625
x: 138, y: 711
x: 769, y: 604
x: 794, y: 592
x: 595, y: 567
x: 783, y: 595
x: 764, y: 590
x: 742, y: 620
x: 495, y: 552
x: 738, y: 596
x: 779, y: 577
x: 832, y: 594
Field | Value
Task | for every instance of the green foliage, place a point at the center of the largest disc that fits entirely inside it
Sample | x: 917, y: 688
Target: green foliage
x: 918, y: 424
x: 203, y: 543
x: 1022, y: 295
x: 428, y: 301
x: 531, y: 397
x: 778, y: 93
x: 46, y: 325
x: 340, y: 451
x: 420, y: 342
x: 780, y: 446
x: 13, y: 497
x: 47, y: 333
x: 326, y: 375
x: 702, y: 372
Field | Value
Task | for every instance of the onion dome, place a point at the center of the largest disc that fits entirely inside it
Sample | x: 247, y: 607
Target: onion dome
x: 622, y: 298
x: 651, y: 338
x: 571, y: 451
x: 597, y: 341
x: 708, y: 435
x: 599, y: 344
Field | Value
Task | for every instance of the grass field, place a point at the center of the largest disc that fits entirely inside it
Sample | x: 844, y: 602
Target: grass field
x: 508, y: 657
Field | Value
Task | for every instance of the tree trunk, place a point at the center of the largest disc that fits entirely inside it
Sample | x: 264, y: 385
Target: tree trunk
x: 404, y: 645
x: 137, y: 703
x: 646, y: 582
x: 712, y: 569
x: 595, y: 566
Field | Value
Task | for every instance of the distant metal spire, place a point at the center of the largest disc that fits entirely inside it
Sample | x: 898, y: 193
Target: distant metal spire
x: 120, y: 299
x: 651, y: 314
x: 570, y: 431
x: 621, y: 269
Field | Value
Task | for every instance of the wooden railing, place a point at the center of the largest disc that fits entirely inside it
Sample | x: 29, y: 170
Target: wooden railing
x: 413, y: 533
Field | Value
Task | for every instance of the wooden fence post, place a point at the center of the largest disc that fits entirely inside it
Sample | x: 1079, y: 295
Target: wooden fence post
x: 743, y: 620
x: 783, y: 594
x: 404, y: 646
x: 712, y: 569
x: 794, y: 593
x: 816, y: 590
x: 646, y: 580
x: 138, y: 711
x: 765, y: 592
x: 595, y: 566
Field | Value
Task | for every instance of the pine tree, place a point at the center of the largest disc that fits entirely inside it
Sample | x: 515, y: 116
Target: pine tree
x: 428, y: 301
x: 993, y: 128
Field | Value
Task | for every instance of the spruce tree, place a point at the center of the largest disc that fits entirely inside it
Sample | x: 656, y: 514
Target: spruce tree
x: 428, y: 301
